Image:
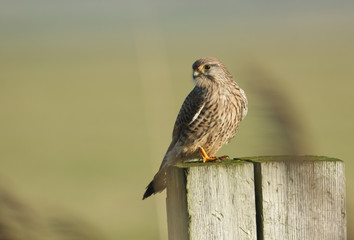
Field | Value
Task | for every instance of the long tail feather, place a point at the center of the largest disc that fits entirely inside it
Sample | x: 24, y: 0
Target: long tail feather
x: 158, y: 184
x: 149, y: 190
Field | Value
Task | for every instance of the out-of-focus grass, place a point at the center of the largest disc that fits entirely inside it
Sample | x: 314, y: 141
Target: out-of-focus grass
x: 87, y: 113
x: 73, y: 133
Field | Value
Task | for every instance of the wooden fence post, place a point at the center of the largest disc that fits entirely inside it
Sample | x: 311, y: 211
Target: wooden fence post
x: 280, y: 197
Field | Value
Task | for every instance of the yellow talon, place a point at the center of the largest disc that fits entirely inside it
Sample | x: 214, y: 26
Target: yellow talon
x: 206, y: 158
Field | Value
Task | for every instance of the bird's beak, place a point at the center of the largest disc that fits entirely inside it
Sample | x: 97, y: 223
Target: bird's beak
x: 196, y: 73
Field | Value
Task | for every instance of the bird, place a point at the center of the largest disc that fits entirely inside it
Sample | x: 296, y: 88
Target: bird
x: 209, y: 118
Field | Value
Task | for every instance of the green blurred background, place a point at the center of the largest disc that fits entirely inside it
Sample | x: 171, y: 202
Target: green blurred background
x: 89, y: 92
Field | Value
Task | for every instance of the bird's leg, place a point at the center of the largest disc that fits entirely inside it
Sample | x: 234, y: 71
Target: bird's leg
x: 206, y: 158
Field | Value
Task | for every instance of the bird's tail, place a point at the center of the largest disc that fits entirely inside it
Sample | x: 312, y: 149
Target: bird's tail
x: 158, y: 184
x: 149, y: 190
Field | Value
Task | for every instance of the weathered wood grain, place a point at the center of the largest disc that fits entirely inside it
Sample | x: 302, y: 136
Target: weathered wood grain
x: 176, y: 203
x: 302, y: 199
x: 220, y: 202
x: 264, y: 198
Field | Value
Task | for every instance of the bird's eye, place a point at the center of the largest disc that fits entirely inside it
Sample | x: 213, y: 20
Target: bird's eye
x: 207, y: 67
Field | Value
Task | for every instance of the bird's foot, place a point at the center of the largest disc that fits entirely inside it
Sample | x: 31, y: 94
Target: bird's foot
x: 213, y: 158
x: 206, y: 158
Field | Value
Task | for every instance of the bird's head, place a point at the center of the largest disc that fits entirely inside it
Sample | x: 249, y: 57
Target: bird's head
x: 210, y: 71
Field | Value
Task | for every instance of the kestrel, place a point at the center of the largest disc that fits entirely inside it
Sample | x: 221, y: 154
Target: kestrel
x: 209, y: 118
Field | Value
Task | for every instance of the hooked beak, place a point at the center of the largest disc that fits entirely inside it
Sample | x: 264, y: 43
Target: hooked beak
x: 196, y: 73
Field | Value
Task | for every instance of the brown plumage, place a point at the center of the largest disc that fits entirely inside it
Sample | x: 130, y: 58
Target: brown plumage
x: 209, y: 118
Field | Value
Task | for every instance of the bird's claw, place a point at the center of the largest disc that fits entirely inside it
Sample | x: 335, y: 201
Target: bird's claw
x: 214, y: 159
x: 206, y: 158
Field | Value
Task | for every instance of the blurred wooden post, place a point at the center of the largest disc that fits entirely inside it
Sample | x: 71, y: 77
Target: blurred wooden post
x: 281, y: 197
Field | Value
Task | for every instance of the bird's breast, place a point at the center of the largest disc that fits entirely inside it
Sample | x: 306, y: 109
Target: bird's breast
x: 214, y: 124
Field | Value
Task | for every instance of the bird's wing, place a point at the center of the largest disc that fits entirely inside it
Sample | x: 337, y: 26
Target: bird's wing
x: 190, y: 110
